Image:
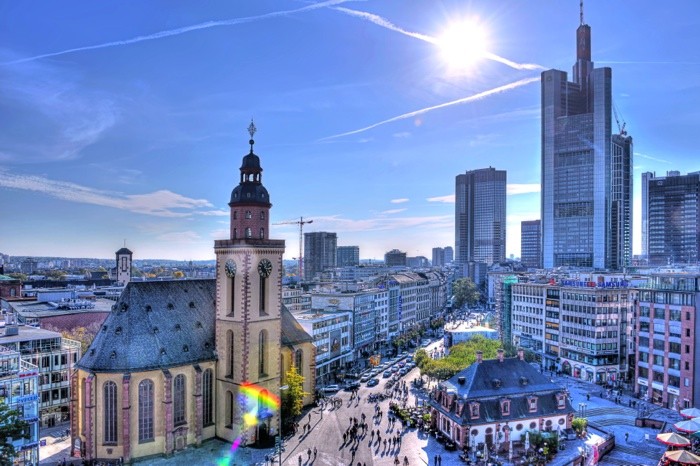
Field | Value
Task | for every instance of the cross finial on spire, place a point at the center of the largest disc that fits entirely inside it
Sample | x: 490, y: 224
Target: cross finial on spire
x: 581, y: 4
x: 251, y: 130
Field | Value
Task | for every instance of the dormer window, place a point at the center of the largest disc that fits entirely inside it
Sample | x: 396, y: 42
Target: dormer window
x: 532, y: 403
x: 505, y: 407
x: 474, y: 410
x: 561, y: 401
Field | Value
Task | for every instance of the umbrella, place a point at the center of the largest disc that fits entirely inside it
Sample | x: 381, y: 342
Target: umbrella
x: 690, y: 412
x: 673, y: 439
x: 696, y: 435
x: 682, y: 456
x: 691, y: 425
x: 527, y: 441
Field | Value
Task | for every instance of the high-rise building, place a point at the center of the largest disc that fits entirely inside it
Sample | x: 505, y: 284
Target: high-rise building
x: 319, y: 252
x: 438, y: 257
x: 395, y: 258
x: 646, y: 177
x: 347, y: 256
x: 530, y: 243
x: 449, y: 254
x: 586, y: 171
x: 480, y: 216
x: 672, y: 209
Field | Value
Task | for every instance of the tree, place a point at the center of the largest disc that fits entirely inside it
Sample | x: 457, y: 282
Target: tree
x: 461, y: 356
x: 465, y: 292
x: 293, y: 396
x: 84, y: 335
x: 179, y: 274
x: 11, y: 427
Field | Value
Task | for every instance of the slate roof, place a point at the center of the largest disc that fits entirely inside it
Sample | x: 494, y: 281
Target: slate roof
x: 491, y: 381
x: 292, y: 332
x: 156, y: 325
x: 124, y: 251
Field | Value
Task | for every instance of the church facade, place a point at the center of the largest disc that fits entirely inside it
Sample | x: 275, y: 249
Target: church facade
x: 169, y: 368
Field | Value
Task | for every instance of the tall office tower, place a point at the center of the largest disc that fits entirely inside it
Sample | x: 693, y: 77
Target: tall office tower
x: 347, y: 256
x: 395, y: 258
x: 319, y: 252
x: 438, y: 257
x: 586, y: 171
x: 530, y: 243
x: 480, y: 216
x: 646, y: 177
x: 449, y: 254
x: 673, y: 207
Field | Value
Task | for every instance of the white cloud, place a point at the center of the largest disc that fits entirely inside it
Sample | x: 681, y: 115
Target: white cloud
x: 649, y: 157
x: 339, y: 224
x: 161, y: 203
x: 400, y: 200
x: 402, y: 135
x: 449, y: 199
x: 515, y: 188
x: 392, y: 211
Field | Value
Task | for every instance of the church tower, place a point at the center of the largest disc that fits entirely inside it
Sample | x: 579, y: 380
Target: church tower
x: 124, y: 257
x: 248, y: 304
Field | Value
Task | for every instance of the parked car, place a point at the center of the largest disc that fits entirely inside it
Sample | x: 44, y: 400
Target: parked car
x: 352, y: 384
x: 365, y: 377
x: 403, y: 371
x: 372, y: 382
x: 331, y: 388
x: 387, y: 373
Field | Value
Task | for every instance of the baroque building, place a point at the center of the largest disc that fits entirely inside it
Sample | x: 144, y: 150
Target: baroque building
x: 170, y: 366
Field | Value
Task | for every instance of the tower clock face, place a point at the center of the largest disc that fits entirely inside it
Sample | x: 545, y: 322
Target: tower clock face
x: 230, y: 268
x: 265, y: 268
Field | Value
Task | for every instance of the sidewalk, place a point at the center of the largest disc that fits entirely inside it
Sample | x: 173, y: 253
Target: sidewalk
x: 56, y: 445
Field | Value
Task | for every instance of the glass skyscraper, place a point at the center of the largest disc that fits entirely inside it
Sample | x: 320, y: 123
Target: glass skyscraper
x: 586, y: 170
x: 480, y: 216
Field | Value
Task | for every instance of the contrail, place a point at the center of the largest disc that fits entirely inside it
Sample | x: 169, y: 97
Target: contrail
x: 182, y: 30
x: 385, y: 23
x: 463, y: 100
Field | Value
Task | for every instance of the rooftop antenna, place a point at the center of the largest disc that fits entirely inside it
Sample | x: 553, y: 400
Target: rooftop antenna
x: 581, y: 4
x: 124, y: 242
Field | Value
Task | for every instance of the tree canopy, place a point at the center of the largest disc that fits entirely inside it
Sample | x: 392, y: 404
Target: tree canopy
x: 461, y: 356
x: 11, y: 427
x: 293, y: 395
x: 465, y: 292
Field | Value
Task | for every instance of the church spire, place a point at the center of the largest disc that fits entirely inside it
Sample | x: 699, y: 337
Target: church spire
x: 251, y: 130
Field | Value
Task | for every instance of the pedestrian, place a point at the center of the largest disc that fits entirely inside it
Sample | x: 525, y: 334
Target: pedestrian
x: 588, y: 397
x: 309, y: 417
x: 435, y: 460
x: 405, y: 460
x: 627, y: 436
x: 308, y: 452
x: 440, y: 459
x: 315, y: 452
x: 300, y: 460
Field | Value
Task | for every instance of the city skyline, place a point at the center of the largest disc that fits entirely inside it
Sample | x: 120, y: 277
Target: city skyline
x: 129, y: 121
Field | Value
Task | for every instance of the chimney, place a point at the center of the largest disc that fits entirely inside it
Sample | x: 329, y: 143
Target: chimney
x: 521, y: 354
x: 500, y: 355
x: 479, y: 356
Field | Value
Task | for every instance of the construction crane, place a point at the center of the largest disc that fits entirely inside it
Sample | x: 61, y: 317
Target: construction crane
x: 620, y: 128
x: 301, y: 222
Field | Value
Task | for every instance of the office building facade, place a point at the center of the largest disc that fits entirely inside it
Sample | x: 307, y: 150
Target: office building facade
x: 530, y: 243
x: 480, y: 216
x: 672, y: 210
x: 586, y: 172
x: 395, y: 258
x: 319, y: 252
x: 347, y: 256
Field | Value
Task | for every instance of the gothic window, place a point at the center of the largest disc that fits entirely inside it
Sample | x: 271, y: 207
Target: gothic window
x: 110, y: 412
x: 229, y: 410
x: 262, y: 233
x: 179, y: 403
x: 146, y: 411
x: 85, y: 402
x: 229, y: 354
x: 207, y: 398
x: 298, y: 359
x: 262, y: 215
x: 235, y: 233
x: 263, y: 282
x: 248, y: 214
x: 235, y: 215
x: 262, y: 353
x: 248, y: 233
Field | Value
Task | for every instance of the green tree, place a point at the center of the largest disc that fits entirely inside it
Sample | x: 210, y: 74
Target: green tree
x: 293, y: 396
x: 465, y: 292
x: 178, y: 274
x: 461, y: 356
x: 84, y: 335
x: 19, y: 276
x: 11, y: 427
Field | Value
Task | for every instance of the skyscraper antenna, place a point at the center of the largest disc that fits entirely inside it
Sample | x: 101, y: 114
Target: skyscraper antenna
x: 581, y: 12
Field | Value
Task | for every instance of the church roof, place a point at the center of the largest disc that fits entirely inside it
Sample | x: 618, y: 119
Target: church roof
x: 156, y: 325
x: 124, y: 251
x: 292, y: 332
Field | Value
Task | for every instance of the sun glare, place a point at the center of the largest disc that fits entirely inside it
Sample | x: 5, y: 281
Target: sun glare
x: 462, y: 44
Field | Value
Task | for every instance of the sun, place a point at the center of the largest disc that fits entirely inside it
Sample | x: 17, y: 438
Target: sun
x: 463, y: 44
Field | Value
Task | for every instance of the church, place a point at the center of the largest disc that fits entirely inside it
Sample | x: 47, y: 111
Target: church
x: 167, y: 369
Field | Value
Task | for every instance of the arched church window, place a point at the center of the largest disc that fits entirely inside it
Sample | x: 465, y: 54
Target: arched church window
x: 262, y: 233
x: 179, y: 400
x: 262, y: 353
x: 262, y: 215
x: 207, y: 398
x: 229, y: 410
x: 235, y: 214
x: 229, y: 354
x: 146, y: 411
x: 248, y: 214
x: 110, y: 412
x: 248, y: 232
x: 298, y: 359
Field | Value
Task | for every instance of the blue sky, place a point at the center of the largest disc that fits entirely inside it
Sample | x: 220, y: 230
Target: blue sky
x: 127, y: 120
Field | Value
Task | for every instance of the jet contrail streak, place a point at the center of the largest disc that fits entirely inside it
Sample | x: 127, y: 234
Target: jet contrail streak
x: 463, y: 100
x: 182, y: 30
x: 385, y: 23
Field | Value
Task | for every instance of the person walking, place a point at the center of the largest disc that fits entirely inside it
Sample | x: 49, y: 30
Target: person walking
x: 315, y: 452
x: 627, y: 436
x: 440, y: 459
x: 300, y: 460
x: 308, y: 452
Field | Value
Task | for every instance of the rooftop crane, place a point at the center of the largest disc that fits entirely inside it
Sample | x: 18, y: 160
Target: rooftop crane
x: 301, y: 222
x: 620, y: 128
